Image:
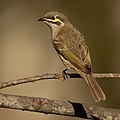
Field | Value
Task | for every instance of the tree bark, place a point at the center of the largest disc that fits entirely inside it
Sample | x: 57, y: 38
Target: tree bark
x: 66, y: 108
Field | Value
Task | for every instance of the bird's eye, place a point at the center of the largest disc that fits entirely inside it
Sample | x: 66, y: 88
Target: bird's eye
x: 53, y: 18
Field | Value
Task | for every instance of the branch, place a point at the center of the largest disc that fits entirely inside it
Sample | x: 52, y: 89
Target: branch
x: 54, y: 76
x: 48, y: 106
x: 66, y: 108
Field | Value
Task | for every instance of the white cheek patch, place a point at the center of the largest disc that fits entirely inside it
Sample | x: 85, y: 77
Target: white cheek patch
x: 62, y: 24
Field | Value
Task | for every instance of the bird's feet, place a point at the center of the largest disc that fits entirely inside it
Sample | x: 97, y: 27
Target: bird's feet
x: 64, y: 73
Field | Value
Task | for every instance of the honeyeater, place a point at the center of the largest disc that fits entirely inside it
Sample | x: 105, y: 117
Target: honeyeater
x: 72, y: 49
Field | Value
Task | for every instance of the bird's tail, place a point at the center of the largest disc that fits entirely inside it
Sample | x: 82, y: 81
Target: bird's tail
x: 94, y: 87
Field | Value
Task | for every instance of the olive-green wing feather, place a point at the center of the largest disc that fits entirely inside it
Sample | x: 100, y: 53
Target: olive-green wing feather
x: 80, y: 49
x: 74, y: 49
x: 69, y: 56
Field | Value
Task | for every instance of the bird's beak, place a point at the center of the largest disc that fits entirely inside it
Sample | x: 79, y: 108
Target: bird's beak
x: 42, y: 19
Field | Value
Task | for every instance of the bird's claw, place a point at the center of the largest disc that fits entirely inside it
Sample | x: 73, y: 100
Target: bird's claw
x: 65, y: 75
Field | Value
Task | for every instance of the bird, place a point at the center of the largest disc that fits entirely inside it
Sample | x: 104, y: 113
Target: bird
x: 72, y: 49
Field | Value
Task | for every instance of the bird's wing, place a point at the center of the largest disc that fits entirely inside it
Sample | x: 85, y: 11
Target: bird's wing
x: 69, y: 56
x: 75, y: 50
x: 80, y: 49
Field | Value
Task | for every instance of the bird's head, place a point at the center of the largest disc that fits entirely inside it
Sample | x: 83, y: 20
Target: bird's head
x: 54, y: 20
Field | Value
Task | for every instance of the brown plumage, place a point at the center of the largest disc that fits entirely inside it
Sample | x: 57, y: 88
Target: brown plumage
x: 72, y: 49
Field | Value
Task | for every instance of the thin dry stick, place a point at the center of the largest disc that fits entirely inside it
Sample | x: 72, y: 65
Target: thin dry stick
x: 52, y: 76
x: 67, y: 108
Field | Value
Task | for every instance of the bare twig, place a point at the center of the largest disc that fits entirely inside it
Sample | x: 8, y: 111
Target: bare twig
x: 29, y: 79
x: 54, y: 76
x: 47, y: 106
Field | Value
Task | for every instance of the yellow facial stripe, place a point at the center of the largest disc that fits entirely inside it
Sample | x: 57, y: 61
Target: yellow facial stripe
x: 55, y: 20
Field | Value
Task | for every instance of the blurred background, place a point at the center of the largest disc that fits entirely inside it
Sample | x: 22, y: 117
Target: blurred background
x: 26, y: 50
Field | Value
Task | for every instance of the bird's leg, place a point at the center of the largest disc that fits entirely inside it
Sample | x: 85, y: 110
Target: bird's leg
x: 70, y: 73
x: 65, y: 75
